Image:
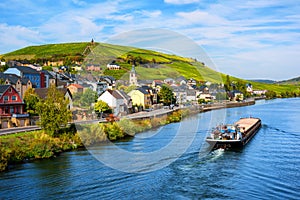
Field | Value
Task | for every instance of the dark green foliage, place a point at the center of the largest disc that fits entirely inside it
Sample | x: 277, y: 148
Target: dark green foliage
x: 31, y: 99
x: 270, y: 95
x: 34, y: 145
x: 53, y: 111
x: 86, y: 99
x: 102, y: 107
x: 166, y: 95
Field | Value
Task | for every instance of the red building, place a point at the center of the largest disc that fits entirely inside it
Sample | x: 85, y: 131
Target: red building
x: 10, y: 101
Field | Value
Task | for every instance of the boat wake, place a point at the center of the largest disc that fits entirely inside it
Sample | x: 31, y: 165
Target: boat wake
x: 265, y: 126
x: 211, y: 156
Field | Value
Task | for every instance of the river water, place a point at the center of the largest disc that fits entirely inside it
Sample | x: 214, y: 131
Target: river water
x: 267, y: 168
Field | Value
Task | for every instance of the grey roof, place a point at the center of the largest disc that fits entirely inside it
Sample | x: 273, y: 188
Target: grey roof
x: 181, y: 78
x: 126, y: 96
x: 3, y: 88
x: 143, y: 90
x: 13, y: 78
x: 191, y: 92
x: 46, y: 72
x: 181, y: 88
x: 26, y: 70
x: 108, y: 79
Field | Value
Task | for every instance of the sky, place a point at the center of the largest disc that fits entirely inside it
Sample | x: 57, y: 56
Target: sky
x: 258, y: 39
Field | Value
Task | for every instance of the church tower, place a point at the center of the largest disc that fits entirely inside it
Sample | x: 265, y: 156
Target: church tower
x: 132, y: 76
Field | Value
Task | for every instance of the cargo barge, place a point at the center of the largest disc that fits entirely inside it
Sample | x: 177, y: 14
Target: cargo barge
x: 235, y: 135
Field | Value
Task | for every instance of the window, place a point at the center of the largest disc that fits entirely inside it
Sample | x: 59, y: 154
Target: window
x: 14, y: 98
x: 12, y: 109
x: 6, y: 98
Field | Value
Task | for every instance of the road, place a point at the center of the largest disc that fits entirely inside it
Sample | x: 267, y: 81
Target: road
x: 8, y: 131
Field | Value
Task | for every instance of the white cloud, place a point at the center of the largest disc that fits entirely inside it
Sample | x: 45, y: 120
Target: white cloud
x: 267, y: 63
x: 179, y: 2
x: 200, y: 17
x: 150, y: 14
x: 18, y: 37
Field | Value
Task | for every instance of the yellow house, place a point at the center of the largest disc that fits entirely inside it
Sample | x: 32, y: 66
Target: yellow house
x: 140, y: 96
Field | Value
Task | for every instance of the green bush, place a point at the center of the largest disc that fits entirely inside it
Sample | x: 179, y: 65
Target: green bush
x: 18, y: 147
x: 113, y: 131
x: 92, y: 134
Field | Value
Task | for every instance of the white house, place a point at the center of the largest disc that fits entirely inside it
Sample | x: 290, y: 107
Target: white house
x: 113, y: 66
x: 259, y: 92
x: 205, y: 96
x: 191, y: 95
x: 115, y: 100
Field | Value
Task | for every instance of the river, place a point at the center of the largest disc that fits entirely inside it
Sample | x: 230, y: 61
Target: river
x: 267, y: 168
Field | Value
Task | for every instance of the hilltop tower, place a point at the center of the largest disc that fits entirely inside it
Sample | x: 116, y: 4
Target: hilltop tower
x: 132, y: 76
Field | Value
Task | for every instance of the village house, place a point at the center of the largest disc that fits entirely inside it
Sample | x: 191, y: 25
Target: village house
x: 37, y: 78
x: 169, y: 81
x: 180, y: 93
x: 12, y: 108
x: 259, y: 92
x: 181, y: 80
x: 20, y: 84
x: 75, y: 88
x: 104, y: 83
x: 113, y: 66
x: 49, y: 78
x: 236, y: 95
x: 141, y: 97
x: 116, y: 100
x: 191, y: 82
x: 191, y: 95
x: 205, y: 96
x: 93, y: 67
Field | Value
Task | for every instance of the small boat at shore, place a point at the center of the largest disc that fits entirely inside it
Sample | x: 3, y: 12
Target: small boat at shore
x: 237, y: 135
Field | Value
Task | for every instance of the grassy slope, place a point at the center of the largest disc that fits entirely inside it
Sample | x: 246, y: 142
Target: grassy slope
x: 45, y: 51
x: 170, y: 65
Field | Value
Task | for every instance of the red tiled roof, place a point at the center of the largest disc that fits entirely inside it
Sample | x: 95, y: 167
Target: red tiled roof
x: 75, y: 85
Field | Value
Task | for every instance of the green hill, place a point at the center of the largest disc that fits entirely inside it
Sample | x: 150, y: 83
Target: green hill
x: 48, y: 51
x: 293, y: 81
x: 149, y: 64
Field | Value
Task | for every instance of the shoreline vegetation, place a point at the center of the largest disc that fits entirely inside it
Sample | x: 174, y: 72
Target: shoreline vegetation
x: 26, y: 146
x: 22, y: 147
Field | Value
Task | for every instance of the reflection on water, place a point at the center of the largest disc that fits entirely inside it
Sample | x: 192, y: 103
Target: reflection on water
x: 268, y: 167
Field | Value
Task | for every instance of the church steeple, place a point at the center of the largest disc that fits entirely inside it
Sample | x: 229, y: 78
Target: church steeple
x: 132, y: 76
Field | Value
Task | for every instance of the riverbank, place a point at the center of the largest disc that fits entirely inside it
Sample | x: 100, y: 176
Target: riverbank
x: 17, y: 148
x: 21, y: 147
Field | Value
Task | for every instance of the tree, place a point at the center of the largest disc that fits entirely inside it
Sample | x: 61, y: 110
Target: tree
x: 31, y: 99
x: 166, y: 95
x: 102, y: 107
x: 53, y: 111
x: 88, y: 97
x: 227, y: 84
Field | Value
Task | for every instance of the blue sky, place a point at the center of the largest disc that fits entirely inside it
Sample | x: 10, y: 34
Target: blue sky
x: 247, y: 39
